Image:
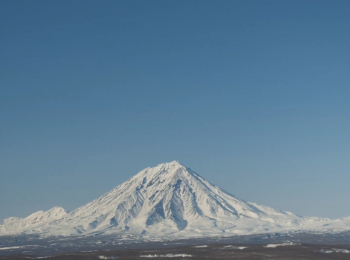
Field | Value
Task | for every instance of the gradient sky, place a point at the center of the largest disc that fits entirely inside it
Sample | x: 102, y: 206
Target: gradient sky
x: 252, y: 95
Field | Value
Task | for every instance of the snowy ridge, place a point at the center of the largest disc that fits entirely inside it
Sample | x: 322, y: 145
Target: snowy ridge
x: 14, y: 225
x: 168, y: 200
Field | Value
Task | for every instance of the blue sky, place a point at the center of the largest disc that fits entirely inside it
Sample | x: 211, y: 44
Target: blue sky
x: 252, y: 95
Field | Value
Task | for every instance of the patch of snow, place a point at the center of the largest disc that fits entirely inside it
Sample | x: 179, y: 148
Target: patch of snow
x: 325, y: 251
x: 167, y: 255
x: 233, y: 247
x: 334, y: 250
x: 11, y: 247
x: 283, y: 244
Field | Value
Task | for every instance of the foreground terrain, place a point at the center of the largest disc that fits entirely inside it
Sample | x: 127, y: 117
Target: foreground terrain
x: 277, y: 246
x: 286, y: 251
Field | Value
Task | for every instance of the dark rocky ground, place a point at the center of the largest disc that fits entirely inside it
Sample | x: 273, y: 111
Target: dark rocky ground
x: 306, y: 246
x: 217, y: 251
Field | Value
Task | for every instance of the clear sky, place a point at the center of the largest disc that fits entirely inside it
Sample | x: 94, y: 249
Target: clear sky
x: 252, y: 95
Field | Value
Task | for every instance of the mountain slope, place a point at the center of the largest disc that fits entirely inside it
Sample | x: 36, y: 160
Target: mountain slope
x: 16, y: 225
x: 169, y: 200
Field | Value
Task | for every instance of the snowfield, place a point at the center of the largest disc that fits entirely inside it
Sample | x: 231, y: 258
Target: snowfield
x: 334, y: 250
x: 167, y: 201
x: 167, y: 255
x: 283, y: 244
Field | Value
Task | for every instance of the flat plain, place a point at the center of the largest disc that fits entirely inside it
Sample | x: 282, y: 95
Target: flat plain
x: 215, y: 251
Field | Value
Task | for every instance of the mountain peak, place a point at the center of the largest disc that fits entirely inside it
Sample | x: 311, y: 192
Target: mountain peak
x: 166, y: 170
x: 57, y: 209
x: 168, y: 199
x: 171, y: 164
x: 53, y: 213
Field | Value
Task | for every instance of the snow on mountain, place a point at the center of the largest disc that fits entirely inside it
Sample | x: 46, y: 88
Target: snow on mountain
x: 14, y: 225
x: 168, y: 200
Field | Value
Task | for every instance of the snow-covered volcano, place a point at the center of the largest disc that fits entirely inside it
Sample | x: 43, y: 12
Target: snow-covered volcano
x: 167, y: 200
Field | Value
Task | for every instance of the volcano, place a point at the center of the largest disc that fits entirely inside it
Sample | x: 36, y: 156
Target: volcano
x: 167, y: 200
